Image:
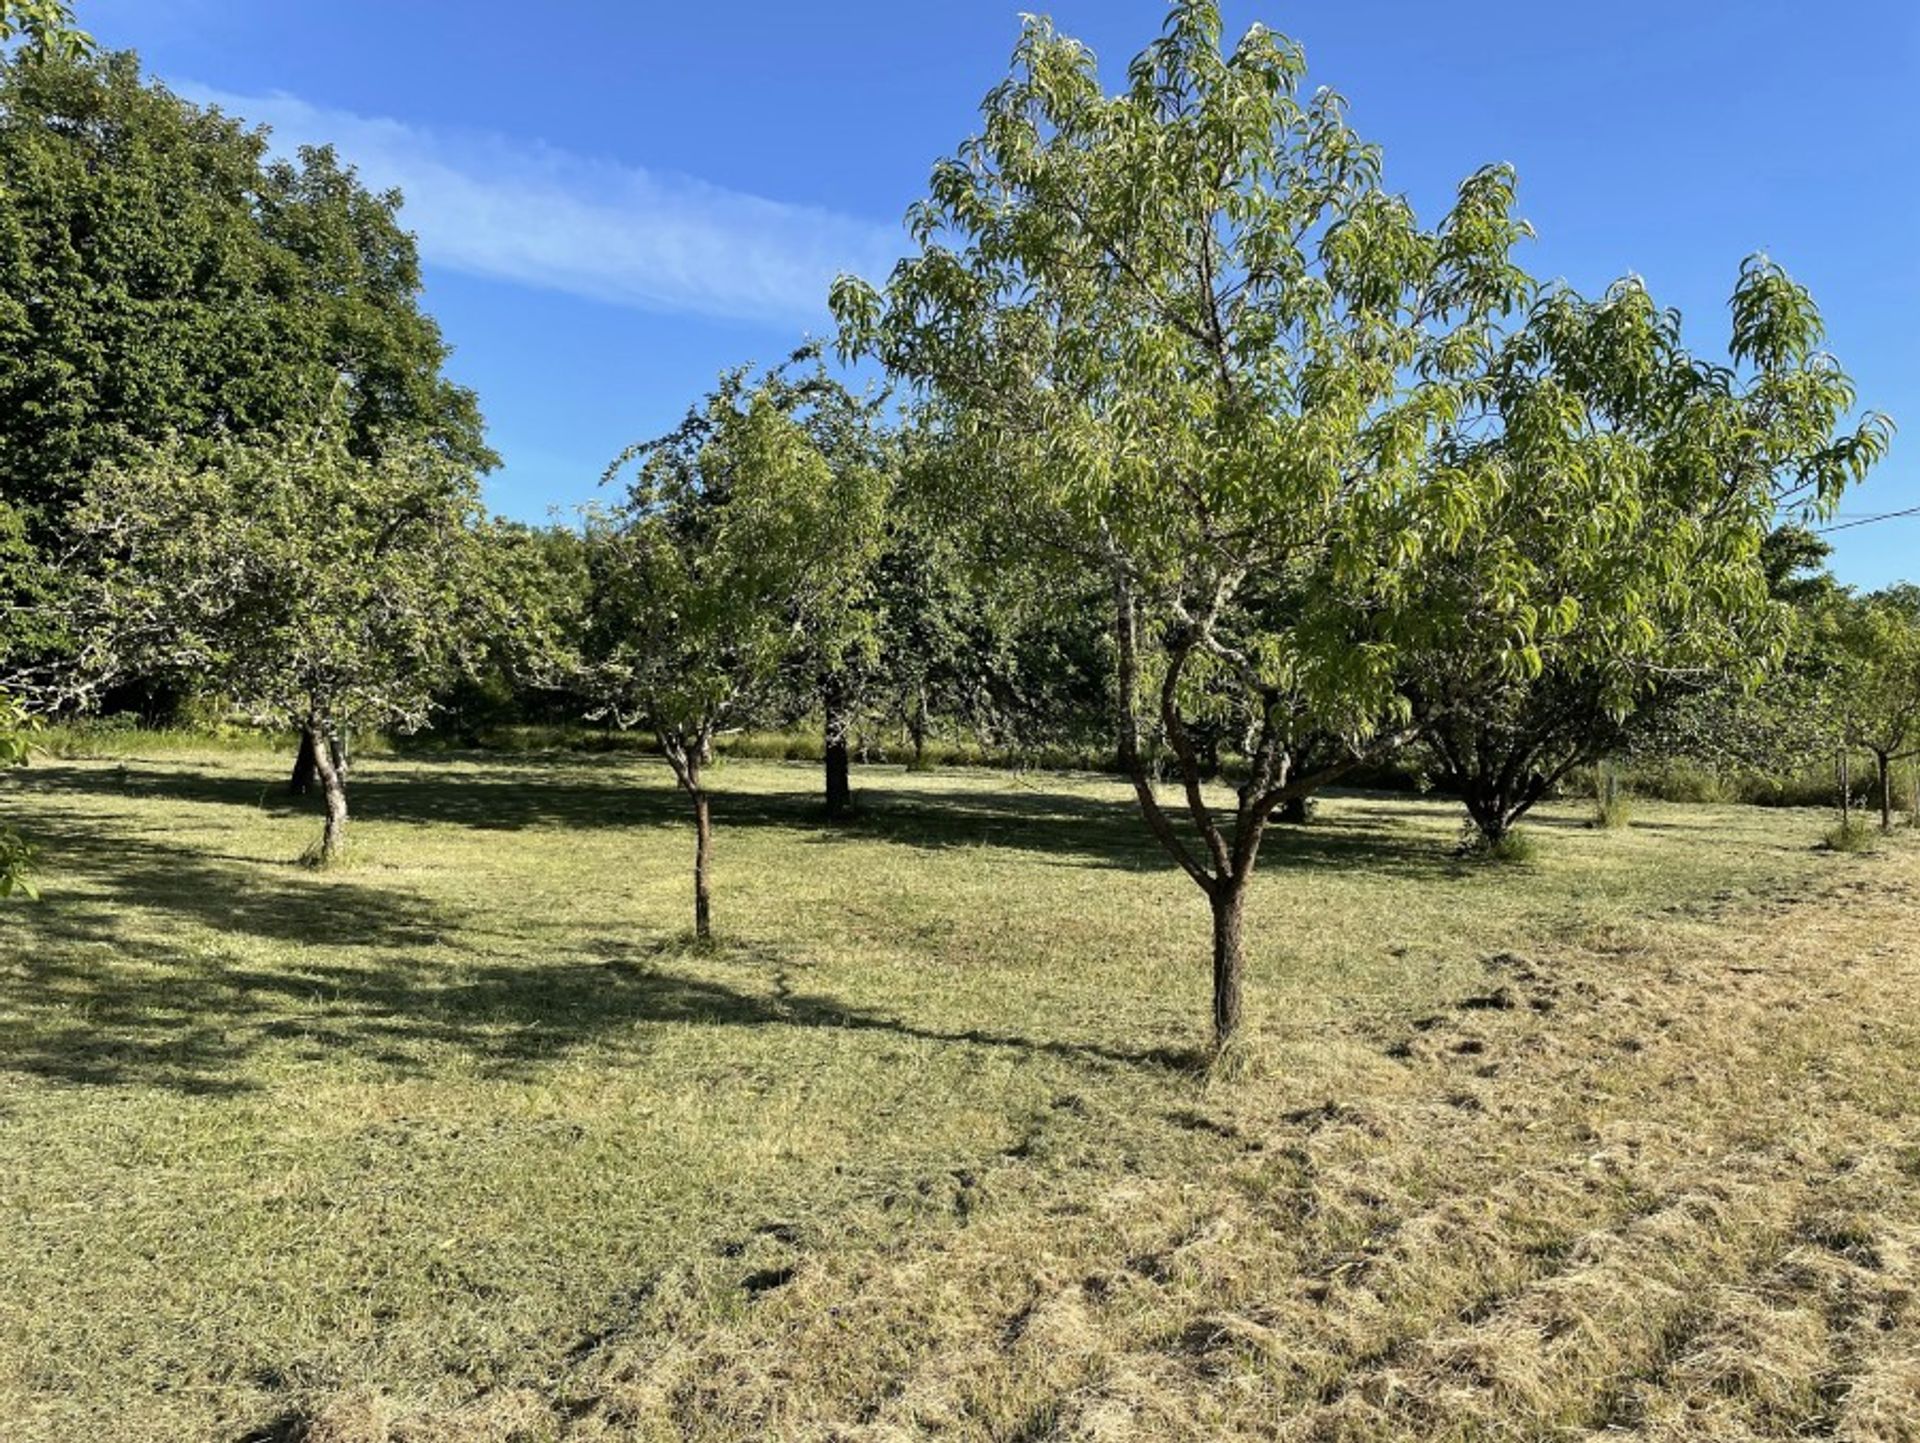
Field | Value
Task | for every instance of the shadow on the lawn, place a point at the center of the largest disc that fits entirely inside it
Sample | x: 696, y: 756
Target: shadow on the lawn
x: 1064, y: 827
x: 96, y: 1007
x: 103, y: 989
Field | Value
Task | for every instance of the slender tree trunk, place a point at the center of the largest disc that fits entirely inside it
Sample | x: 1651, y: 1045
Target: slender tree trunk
x: 1846, y: 790
x: 833, y: 695
x: 917, y: 727
x: 1228, y: 898
x: 702, y: 862
x: 1885, y: 765
x: 333, y: 785
x: 686, y: 761
x: 301, y: 782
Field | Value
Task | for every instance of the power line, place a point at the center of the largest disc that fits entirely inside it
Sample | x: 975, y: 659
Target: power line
x: 1868, y: 520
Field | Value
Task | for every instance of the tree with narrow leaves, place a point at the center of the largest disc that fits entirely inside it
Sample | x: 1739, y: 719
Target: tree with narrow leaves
x: 47, y: 27
x: 1632, y: 527
x: 317, y: 589
x: 1196, y: 349
x: 734, y: 548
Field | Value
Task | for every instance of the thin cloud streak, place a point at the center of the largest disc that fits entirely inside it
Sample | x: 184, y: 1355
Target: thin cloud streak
x: 491, y: 206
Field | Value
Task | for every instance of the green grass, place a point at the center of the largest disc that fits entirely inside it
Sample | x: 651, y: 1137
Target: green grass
x: 434, y: 1134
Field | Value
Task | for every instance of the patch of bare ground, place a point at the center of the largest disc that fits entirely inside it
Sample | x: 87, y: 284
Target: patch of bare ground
x: 1660, y: 1185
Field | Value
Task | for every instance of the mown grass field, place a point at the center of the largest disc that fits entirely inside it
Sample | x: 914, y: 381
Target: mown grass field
x: 464, y: 1142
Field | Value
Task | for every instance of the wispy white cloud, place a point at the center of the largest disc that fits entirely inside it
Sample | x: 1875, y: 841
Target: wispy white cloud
x: 528, y: 212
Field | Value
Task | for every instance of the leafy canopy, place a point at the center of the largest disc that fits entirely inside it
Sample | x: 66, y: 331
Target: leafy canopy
x: 300, y: 581
x: 737, y: 545
x: 1186, y: 339
x: 160, y: 275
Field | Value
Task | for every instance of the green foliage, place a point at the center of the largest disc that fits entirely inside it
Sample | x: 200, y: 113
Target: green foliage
x: 1181, y: 343
x: 734, y: 554
x: 1612, y: 806
x: 1515, y: 846
x: 46, y: 25
x: 1851, y: 835
x: 16, y: 854
x: 1879, y: 643
x: 161, y: 278
x: 301, y: 581
x: 1630, y: 538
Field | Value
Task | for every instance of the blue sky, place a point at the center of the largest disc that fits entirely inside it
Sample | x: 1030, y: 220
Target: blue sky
x: 616, y: 200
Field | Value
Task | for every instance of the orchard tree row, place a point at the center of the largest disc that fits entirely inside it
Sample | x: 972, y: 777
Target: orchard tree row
x: 1194, y: 435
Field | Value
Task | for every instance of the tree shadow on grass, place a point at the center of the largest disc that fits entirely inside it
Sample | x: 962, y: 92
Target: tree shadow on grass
x: 1063, y: 827
x: 139, y: 1016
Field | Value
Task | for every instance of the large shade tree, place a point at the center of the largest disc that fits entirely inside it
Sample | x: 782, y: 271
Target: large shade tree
x: 315, y: 589
x: 728, y: 562
x: 1632, y: 526
x: 163, y: 275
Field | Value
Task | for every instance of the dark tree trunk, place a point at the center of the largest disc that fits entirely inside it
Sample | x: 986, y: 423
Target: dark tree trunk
x: 1885, y: 765
x: 917, y: 727
x: 1228, y: 899
x: 686, y: 761
x: 301, y: 782
x: 333, y: 786
x: 702, y: 862
x: 1491, y: 815
x: 1846, y: 791
x: 833, y: 695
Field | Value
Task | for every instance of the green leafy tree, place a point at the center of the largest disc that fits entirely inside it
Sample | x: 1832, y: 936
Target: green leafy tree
x: 1635, y: 491
x: 732, y: 552
x: 1196, y: 349
x: 1879, y: 638
x: 16, y: 854
x: 838, y: 665
x: 160, y: 277
x: 318, y: 589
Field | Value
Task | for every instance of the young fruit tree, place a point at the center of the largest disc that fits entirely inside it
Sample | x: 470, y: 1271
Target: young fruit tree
x: 316, y: 590
x: 1635, y: 491
x: 839, y: 663
x: 1194, y: 347
x: 1879, y: 701
x: 728, y: 563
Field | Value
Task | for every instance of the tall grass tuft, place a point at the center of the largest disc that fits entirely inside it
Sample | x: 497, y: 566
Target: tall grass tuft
x: 1612, y: 808
x: 1514, y: 847
x: 1852, y: 835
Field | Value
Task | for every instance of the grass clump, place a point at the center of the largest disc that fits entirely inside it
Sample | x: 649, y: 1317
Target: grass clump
x: 1851, y: 835
x: 1514, y: 846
